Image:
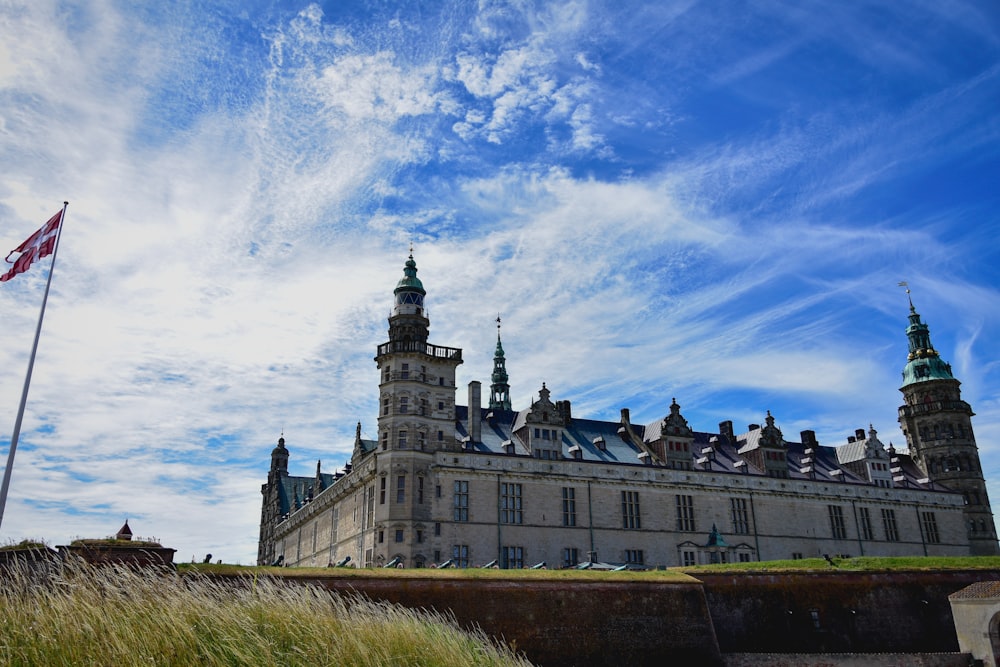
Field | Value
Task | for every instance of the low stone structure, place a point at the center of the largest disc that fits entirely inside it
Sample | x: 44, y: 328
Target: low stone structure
x: 976, y: 609
x: 120, y: 549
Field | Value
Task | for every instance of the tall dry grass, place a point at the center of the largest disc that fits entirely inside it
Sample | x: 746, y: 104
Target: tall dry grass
x: 81, y: 615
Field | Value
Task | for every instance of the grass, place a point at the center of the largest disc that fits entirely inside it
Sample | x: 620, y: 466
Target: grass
x: 81, y: 615
x: 857, y: 564
x: 430, y: 573
x: 25, y: 545
x: 677, y: 574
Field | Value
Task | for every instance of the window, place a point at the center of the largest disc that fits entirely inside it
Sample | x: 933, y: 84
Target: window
x: 401, y: 441
x: 420, y: 490
x: 741, y: 519
x: 889, y: 524
x: 865, y: 524
x: 630, y: 510
x: 511, y: 557
x: 744, y: 557
x: 385, y: 440
x: 440, y: 436
x: 400, y: 489
x: 404, y: 405
x: 570, y: 557
x: 420, y: 536
x: 929, y: 522
x: 510, y: 503
x: 460, y: 555
x: 685, y: 513
x: 421, y: 440
x: 633, y: 556
x: 404, y: 374
x: 837, y: 527
x: 689, y: 558
x: 568, y: 506
x: 461, y: 501
x: 385, y: 405
x: 399, y: 534
x: 796, y: 555
x: 381, y: 536
x: 437, y: 528
x: 381, y: 491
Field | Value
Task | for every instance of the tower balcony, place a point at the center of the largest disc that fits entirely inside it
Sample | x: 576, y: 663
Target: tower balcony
x: 420, y: 347
x: 934, y: 406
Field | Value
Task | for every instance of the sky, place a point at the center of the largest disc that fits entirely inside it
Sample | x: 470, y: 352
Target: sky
x: 713, y: 202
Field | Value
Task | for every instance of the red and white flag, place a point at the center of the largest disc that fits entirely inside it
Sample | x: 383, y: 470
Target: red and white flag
x: 38, y: 245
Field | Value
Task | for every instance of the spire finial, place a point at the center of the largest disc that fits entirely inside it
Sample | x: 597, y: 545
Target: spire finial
x: 903, y: 283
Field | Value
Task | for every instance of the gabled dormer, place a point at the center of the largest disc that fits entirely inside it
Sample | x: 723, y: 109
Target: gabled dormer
x: 540, y: 428
x: 673, y: 440
x: 765, y: 448
x: 866, y: 456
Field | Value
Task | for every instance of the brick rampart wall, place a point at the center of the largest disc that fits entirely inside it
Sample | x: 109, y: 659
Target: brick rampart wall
x: 736, y: 620
x: 836, y: 611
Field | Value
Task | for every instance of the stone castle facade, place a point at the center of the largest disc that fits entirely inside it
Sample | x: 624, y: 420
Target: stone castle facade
x: 484, y: 484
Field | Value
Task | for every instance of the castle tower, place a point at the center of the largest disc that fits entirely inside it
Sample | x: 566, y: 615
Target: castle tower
x: 416, y: 419
x: 275, y: 503
x: 417, y: 387
x: 500, y: 389
x: 937, y: 424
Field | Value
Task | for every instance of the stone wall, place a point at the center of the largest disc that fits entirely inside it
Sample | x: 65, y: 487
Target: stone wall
x: 836, y: 611
x: 736, y: 620
x: 565, y: 623
x: 847, y: 660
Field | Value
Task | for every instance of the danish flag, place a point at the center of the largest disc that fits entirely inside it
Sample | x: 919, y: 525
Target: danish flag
x: 38, y: 245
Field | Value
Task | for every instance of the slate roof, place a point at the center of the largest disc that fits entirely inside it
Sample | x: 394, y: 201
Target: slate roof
x: 498, y: 427
x: 293, y: 491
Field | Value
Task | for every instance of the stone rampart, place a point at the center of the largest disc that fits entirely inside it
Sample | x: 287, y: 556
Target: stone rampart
x: 820, y: 619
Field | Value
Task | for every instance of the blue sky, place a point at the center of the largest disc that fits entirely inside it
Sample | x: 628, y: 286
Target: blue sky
x: 707, y: 201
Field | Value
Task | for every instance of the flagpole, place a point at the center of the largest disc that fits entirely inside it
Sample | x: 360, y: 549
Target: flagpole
x: 27, y: 377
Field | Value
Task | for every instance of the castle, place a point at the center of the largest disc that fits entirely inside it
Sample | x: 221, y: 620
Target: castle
x: 485, y: 484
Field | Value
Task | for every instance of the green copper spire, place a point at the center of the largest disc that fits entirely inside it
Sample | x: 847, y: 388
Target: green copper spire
x: 499, y: 390
x: 923, y: 363
x: 409, y: 282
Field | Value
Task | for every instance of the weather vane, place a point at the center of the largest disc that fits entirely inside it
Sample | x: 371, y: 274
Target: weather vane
x: 903, y: 283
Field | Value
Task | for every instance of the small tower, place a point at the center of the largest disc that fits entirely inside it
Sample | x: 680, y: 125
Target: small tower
x: 124, y: 533
x: 937, y: 424
x: 500, y: 389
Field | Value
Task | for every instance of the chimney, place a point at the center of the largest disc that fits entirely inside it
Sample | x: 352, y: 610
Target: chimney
x: 753, y: 427
x: 808, y: 438
x: 859, y: 434
x: 563, y: 408
x: 475, y: 411
x: 726, y: 430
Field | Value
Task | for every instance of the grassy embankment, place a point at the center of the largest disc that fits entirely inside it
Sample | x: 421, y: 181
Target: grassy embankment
x: 859, y: 564
x: 80, y: 615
